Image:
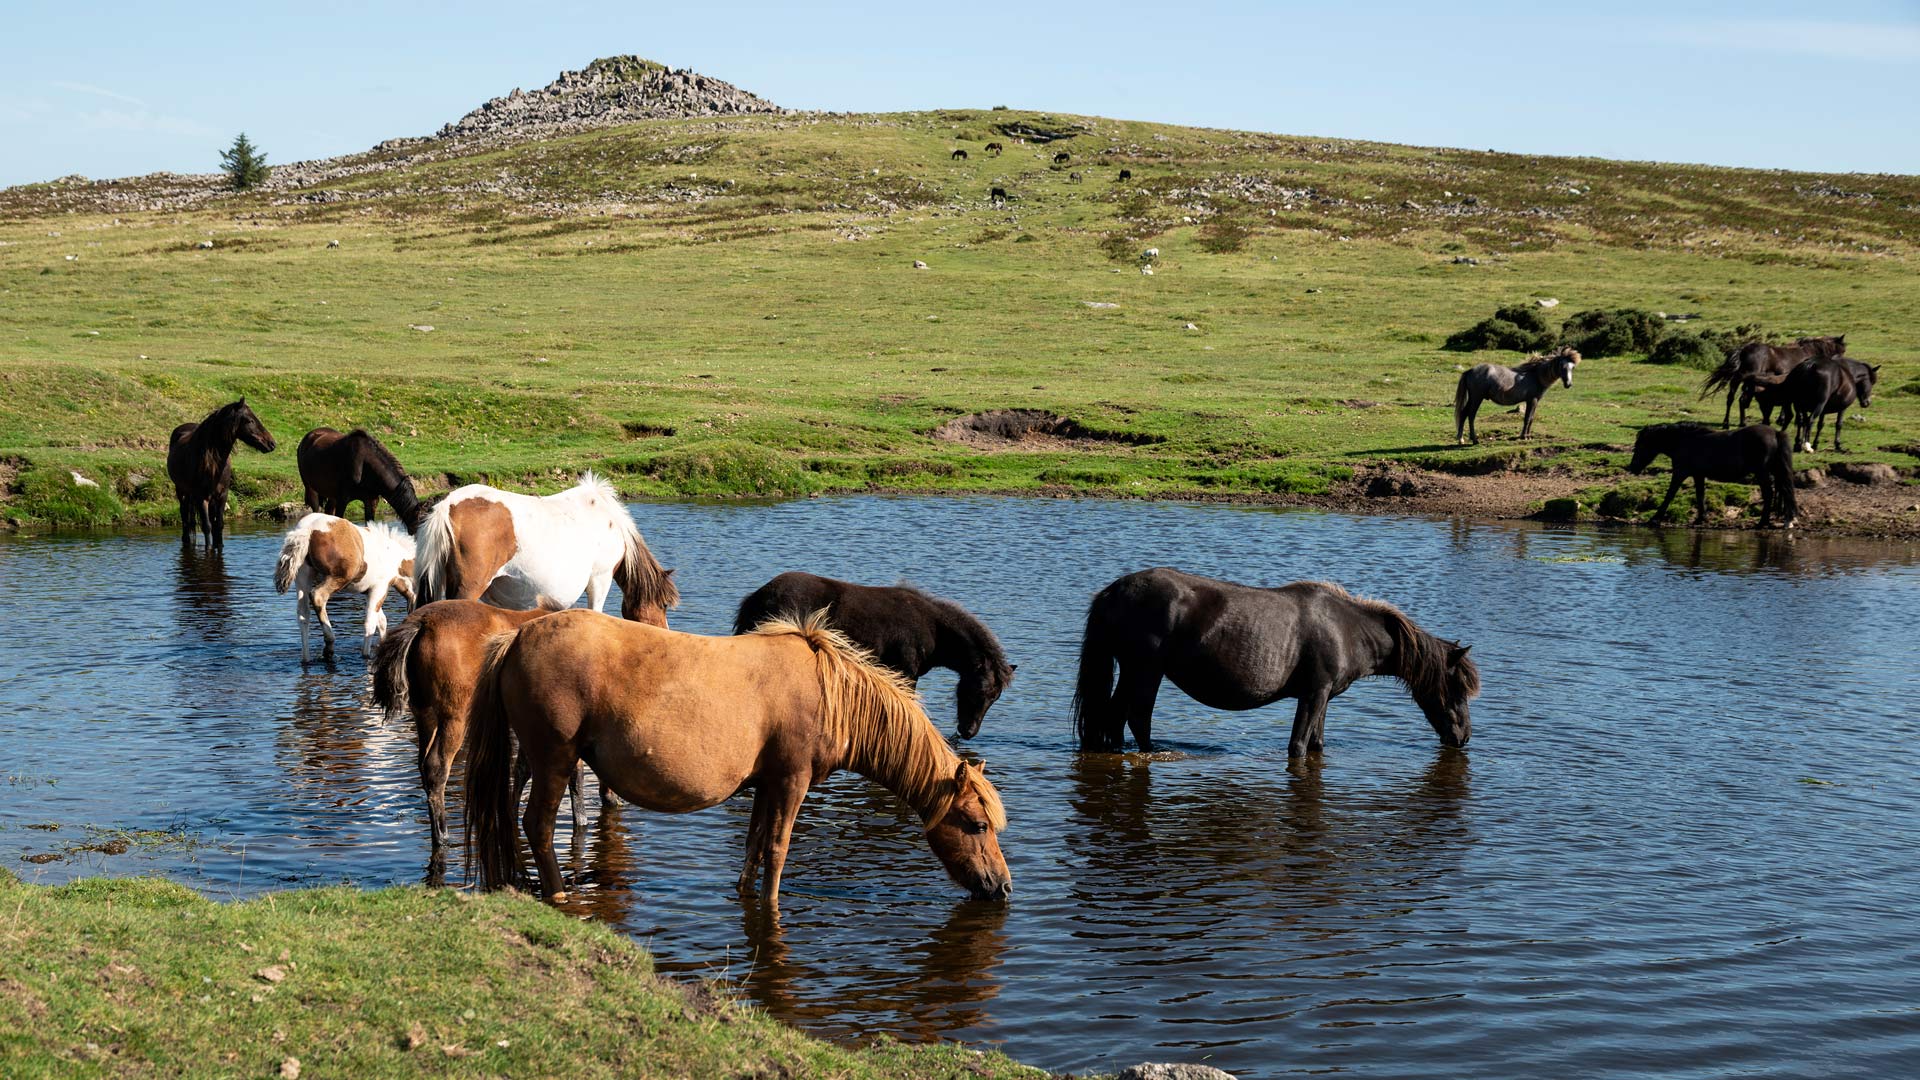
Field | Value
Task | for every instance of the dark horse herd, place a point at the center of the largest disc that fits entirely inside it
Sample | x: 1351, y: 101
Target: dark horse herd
x: 1799, y: 384
x: 819, y: 674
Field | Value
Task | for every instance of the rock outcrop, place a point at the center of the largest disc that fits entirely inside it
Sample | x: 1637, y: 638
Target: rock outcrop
x: 611, y: 90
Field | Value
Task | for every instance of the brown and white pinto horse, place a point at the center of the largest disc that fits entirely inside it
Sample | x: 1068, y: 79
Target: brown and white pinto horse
x: 513, y: 550
x: 325, y: 554
x: 678, y: 722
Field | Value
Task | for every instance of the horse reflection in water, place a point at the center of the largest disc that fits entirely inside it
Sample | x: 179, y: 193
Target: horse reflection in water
x: 337, y: 753
x: 204, y: 603
x: 1359, y: 852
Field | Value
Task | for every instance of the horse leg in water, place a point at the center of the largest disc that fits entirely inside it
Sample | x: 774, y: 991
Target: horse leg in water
x: 321, y: 594
x: 302, y: 611
x: 757, y: 827
x: 1673, y: 488
x: 1309, y: 724
x: 1134, y: 697
x: 1764, y: 475
x: 550, y: 778
x: 186, y: 521
x: 521, y: 770
x: 217, y: 520
x: 786, y: 793
x: 375, y: 626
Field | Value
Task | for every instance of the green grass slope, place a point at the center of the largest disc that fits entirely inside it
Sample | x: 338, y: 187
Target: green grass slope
x: 731, y: 307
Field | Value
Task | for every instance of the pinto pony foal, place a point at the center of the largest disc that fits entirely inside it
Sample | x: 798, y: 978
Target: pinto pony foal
x: 325, y: 554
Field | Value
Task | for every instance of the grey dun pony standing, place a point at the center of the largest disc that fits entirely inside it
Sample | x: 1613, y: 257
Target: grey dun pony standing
x: 1523, y: 386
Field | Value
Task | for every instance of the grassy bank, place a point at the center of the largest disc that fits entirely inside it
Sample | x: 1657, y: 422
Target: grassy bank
x: 144, y: 977
x: 704, y: 308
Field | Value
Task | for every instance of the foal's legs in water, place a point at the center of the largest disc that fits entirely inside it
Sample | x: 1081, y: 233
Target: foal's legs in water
x: 321, y: 594
x: 1309, y: 724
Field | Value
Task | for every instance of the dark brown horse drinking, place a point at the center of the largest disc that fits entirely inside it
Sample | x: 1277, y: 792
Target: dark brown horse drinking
x: 338, y: 469
x: 1757, y: 453
x: 904, y: 628
x: 198, y: 461
x: 1237, y: 647
x: 1760, y: 358
x: 1826, y: 386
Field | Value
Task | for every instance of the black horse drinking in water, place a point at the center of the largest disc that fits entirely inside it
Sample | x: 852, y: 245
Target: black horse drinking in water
x: 1523, y: 386
x: 1238, y: 647
x: 1757, y: 453
x: 197, y: 461
x: 337, y: 469
x: 905, y: 629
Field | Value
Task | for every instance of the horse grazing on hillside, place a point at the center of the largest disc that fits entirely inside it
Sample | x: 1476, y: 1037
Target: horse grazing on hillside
x: 1760, y: 358
x: 198, y: 462
x: 1062, y: 158
x: 994, y: 148
x: 429, y: 665
x: 959, y: 155
x: 326, y: 554
x: 481, y: 543
x: 1523, y: 386
x: 1827, y: 386
x: 1125, y: 174
x: 904, y: 628
x: 998, y: 195
x: 1238, y: 647
x: 338, y: 469
x: 677, y: 722
x: 1757, y: 453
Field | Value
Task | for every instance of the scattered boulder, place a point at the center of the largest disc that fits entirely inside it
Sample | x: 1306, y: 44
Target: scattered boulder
x: 1001, y: 427
x: 1549, y: 302
x: 918, y: 265
x: 1809, y: 478
x: 205, y: 245
x: 1172, y: 1071
x: 333, y: 243
x: 1147, y: 270
x: 1863, y: 472
x: 82, y: 481
x: 1465, y: 260
x: 611, y: 90
x: 1389, y: 482
x: 422, y: 327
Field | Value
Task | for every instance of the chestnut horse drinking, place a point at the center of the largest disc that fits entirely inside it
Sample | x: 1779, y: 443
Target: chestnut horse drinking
x: 197, y: 460
x: 678, y: 722
x: 904, y: 628
x: 1237, y: 647
x: 512, y: 550
x: 338, y: 469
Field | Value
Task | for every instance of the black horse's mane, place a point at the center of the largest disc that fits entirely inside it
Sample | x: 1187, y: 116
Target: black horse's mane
x: 1423, y: 659
x: 379, y: 455
x: 968, y: 621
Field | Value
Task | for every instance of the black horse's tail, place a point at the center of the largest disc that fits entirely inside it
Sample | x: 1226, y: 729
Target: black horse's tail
x: 492, y: 834
x: 753, y: 611
x: 1724, y: 376
x: 1099, y: 726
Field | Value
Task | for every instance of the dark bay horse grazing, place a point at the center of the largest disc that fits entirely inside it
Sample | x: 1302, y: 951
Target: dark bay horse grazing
x: 1757, y: 453
x: 1826, y: 386
x: 429, y: 666
x: 959, y: 155
x: 998, y: 195
x: 338, y: 469
x: 904, y: 628
x: 994, y: 148
x: 1237, y: 647
x: 1062, y: 158
x: 1760, y: 358
x: 1125, y: 174
x: 1523, y: 386
x: 198, y: 461
x: 677, y: 722
x: 513, y: 550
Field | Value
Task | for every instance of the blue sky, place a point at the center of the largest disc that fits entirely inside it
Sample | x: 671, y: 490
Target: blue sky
x: 113, y: 89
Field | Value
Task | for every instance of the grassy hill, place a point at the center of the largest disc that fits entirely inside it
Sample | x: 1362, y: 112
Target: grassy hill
x: 731, y: 307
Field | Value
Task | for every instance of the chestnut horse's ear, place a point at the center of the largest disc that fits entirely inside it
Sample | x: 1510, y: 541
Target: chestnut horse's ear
x: 960, y: 774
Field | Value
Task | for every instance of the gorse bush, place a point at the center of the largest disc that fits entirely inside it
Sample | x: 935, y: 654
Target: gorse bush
x: 1613, y: 332
x: 1518, y: 328
x: 1682, y: 347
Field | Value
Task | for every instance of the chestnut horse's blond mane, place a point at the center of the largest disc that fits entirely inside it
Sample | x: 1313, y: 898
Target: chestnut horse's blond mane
x: 875, y: 714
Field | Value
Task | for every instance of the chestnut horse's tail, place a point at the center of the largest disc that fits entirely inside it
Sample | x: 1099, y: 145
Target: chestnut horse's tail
x: 492, y: 834
x: 1096, y: 722
x: 390, y: 689
x: 433, y: 543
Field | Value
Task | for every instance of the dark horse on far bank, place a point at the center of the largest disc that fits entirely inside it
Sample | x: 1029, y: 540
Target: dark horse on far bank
x: 1760, y: 358
x: 338, y: 469
x: 1237, y: 647
x: 1523, y: 386
x: 1826, y: 386
x: 1757, y: 452
x: 198, y: 462
x: 904, y: 628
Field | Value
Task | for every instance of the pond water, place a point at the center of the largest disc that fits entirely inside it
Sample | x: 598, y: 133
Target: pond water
x: 1682, y: 842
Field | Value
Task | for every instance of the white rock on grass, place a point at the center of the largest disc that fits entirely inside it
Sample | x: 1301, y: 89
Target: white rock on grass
x: 1549, y: 302
x: 422, y: 327
x: 81, y: 481
x: 1147, y: 270
x: 918, y: 265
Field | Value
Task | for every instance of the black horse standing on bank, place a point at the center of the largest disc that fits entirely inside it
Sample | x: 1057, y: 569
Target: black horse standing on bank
x: 198, y: 462
x: 338, y: 469
x: 1237, y: 647
x: 905, y: 629
x: 1826, y: 386
x: 1523, y: 386
x: 1757, y: 452
x: 1760, y: 358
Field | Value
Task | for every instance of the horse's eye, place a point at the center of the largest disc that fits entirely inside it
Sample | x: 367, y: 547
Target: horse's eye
x: 975, y: 827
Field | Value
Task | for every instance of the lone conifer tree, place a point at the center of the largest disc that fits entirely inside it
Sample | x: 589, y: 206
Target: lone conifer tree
x: 243, y: 163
